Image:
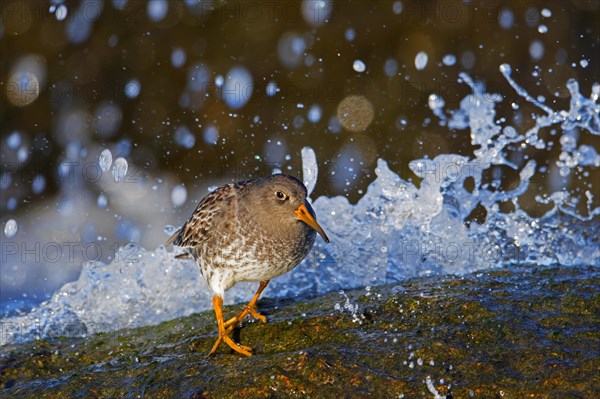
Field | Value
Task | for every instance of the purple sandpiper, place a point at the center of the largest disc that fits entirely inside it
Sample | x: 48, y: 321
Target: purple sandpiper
x: 254, y: 230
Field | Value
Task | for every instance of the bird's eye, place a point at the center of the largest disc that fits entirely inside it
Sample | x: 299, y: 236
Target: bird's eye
x: 281, y: 196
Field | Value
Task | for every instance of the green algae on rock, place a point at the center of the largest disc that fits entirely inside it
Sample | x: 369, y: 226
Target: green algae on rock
x: 516, y: 332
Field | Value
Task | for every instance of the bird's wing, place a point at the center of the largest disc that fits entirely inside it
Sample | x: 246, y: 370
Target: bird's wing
x: 195, y: 230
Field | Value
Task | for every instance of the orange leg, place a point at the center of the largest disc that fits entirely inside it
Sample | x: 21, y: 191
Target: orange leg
x: 249, y: 308
x: 224, y: 335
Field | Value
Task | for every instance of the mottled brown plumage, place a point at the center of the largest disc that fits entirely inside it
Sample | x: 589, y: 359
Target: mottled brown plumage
x: 253, y: 230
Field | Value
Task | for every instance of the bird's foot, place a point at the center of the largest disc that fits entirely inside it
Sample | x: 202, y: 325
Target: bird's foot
x: 223, y: 333
x: 257, y: 315
x: 237, y: 319
x: 241, y: 349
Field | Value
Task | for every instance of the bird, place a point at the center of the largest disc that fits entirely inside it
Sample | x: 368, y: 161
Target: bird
x: 253, y: 230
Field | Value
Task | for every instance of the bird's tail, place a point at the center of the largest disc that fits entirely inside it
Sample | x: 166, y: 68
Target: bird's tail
x: 184, y: 255
x: 174, y: 238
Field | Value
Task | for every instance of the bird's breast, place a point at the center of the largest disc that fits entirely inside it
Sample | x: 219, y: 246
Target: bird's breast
x: 256, y: 259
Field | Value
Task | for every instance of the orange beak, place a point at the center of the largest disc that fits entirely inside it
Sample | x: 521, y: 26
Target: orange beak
x: 304, y: 215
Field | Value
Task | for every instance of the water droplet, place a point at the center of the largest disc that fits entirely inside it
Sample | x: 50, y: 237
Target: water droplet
x: 449, y: 59
x: 298, y: 121
x: 123, y: 147
x: 506, y: 18
x: 595, y: 91
x: 178, y: 57
x: 350, y: 34
x: 14, y: 140
x: 531, y: 16
x: 22, y: 154
x: 170, y: 230
x: 314, y: 113
x: 546, y: 13
x: 105, y: 160
x: 359, y: 66
x: 38, y: 184
x: 113, y: 40
x: 334, y: 125
x: 10, y: 228
x: 11, y: 204
x: 401, y: 123
x: 210, y: 135
x: 184, y: 137
x: 197, y: 78
x: 272, y: 89
x: 505, y: 69
x: 60, y: 12
x: 316, y: 12
x: 421, y: 60
x: 435, y: 102
x: 102, y: 201
x: 178, y: 195
x: 397, y: 7
x: 120, y: 169
x: 390, y: 67
x: 132, y: 88
x: 157, y: 9
x: 584, y: 63
x: 290, y: 49
x: 238, y: 87
x: 310, y: 169
x: 542, y: 28
x: 536, y: 50
x: 468, y: 59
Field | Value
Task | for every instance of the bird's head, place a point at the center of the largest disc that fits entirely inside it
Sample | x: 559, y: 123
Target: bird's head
x: 284, y: 197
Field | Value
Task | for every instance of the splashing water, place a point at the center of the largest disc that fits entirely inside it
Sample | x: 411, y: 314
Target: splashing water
x: 397, y: 230
x: 431, y: 388
x: 349, y: 307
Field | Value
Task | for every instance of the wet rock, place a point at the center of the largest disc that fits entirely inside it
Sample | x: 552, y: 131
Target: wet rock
x: 516, y: 332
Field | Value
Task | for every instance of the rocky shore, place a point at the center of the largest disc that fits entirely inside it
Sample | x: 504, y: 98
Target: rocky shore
x: 519, y: 332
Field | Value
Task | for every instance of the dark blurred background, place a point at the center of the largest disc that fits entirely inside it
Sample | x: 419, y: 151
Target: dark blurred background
x: 197, y: 93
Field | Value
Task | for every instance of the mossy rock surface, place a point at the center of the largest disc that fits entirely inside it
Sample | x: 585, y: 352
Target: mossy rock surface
x: 512, y: 333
